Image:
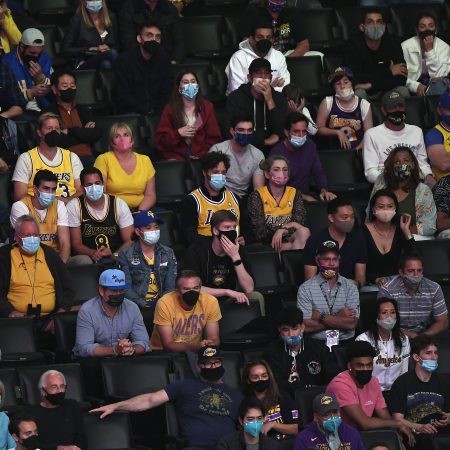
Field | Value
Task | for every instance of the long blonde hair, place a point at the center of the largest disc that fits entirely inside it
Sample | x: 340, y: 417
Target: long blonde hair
x: 104, y: 15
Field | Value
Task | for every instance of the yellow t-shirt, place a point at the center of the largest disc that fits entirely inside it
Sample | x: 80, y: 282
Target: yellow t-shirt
x: 26, y: 271
x: 152, y: 291
x: 129, y: 187
x: 438, y: 173
x: 187, y: 326
x: 277, y: 214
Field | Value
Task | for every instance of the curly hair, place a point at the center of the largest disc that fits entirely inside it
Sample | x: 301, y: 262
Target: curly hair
x: 392, y: 182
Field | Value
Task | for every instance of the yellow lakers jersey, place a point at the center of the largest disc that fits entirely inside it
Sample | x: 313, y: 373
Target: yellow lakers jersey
x: 277, y: 215
x: 48, y: 227
x: 437, y: 172
x: 64, y: 172
x: 207, y: 207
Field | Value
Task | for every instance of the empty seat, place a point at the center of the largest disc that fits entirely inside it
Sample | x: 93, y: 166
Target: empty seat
x: 90, y: 92
x: 307, y: 71
x: 56, y: 12
x: 304, y: 399
x: 441, y: 442
x: 171, y: 185
x: 84, y: 280
x: 8, y: 376
x: 316, y: 216
x: 292, y: 261
x: 65, y: 333
x: 436, y: 259
x: 389, y: 437
x: 5, y: 189
x: 52, y: 45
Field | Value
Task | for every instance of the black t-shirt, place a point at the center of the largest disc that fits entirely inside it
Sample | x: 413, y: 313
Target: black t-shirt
x: 215, y: 271
x: 418, y: 401
x: 353, y: 251
x: 284, y: 411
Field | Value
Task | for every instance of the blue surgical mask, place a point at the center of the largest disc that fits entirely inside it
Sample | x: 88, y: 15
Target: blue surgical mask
x: 332, y: 424
x: 94, y: 6
x: 189, y: 90
x: 94, y: 192
x: 430, y: 365
x: 243, y: 139
x: 46, y: 199
x: 217, y: 181
x: 30, y: 244
x: 253, y: 428
x: 151, y: 237
x: 297, y: 141
x: 292, y: 341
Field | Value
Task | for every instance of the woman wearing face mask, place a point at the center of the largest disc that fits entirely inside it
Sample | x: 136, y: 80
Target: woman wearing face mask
x: 91, y: 39
x: 277, y: 213
x: 188, y: 126
x: 281, y: 418
x: 387, y: 236
x: 391, y: 344
x: 6, y: 440
x: 251, y: 417
x: 401, y: 175
x: 344, y: 114
x: 127, y: 174
x: 150, y: 267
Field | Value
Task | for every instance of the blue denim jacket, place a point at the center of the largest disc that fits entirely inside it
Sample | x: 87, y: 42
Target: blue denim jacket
x: 137, y: 272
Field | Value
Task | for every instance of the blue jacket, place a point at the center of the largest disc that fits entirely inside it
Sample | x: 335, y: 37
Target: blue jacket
x: 137, y: 272
x: 312, y: 437
x: 24, y: 78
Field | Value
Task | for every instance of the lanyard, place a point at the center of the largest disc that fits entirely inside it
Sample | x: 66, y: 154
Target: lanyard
x: 33, y: 298
x: 332, y: 299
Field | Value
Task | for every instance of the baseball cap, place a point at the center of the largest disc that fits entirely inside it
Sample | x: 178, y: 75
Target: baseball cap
x: 146, y: 217
x: 324, y: 403
x: 392, y: 98
x: 328, y: 246
x: 32, y: 36
x: 339, y: 73
x: 206, y: 354
x: 444, y: 100
x: 258, y: 64
x: 113, y: 279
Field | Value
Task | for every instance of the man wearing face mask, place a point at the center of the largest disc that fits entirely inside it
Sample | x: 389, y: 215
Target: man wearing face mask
x: 186, y: 319
x: 258, y: 45
x: 327, y: 431
x: 420, y: 300
x: 33, y: 279
x: 394, y: 132
x: 110, y: 324
x: 100, y: 224
x: 79, y: 132
x: 50, y: 213
x: 375, y: 57
x: 213, y: 195
x: 23, y: 429
x: 294, y: 358
x: 419, y: 397
x: 206, y: 407
x: 143, y: 74
x: 32, y: 68
x: 304, y: 162
x: 150, y: 267
x: 359, y: 394
x: 60, y: 420
x: 258, y: 99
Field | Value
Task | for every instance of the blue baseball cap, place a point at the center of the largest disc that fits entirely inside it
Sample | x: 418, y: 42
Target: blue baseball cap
x: 146, y: 217
x: 444, y: 100
x: 113, y: 279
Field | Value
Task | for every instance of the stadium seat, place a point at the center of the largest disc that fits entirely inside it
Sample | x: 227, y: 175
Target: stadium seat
x: 432, y: 103
x: 8, y: 376
x: 84, y: 281
x: 90, y: 92
x: 444, y: 358
x: 367, y: 305
x: 169, y: 229
x: 436, y: 259
x: 57, y: 12
x: 303, y: 399
x: 292, y: 261
x: 26, y: 131
x: 106, y: 79
x: 171, y: 185
x: 316, y: 216
x: 389, y: 437
x: 111, y: 432
x: 5, y: 189
x: 52, y: 39
x: 65, y: 334
x: 441, y: 442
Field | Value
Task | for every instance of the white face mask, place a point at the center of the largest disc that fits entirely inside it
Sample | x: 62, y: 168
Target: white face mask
x: 151, y: 237
x: 387, y: 323
x: 94, y: 192
x: 384, y: 215
x: 345, y: 94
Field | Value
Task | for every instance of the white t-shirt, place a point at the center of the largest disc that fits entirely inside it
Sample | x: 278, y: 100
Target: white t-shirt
x: 19, y: 209
x: 124, y: 217
x: 380, y: 141
x: 242, y: 166
x: 24, y: 166
x: 389, y: 364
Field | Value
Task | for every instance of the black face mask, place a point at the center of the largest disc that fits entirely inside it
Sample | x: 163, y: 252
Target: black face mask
x: 28, y: 58
x: 68, y: 95
x: 31, y: 443
x: 151, y: 47
x: 396, y: 117
x: 115, y: 300
x: 190, y: 297
x: 56, y: 399
x: 260, y: 385
x: 426, y: 33
x: 363, y: 376
x: 263, y: 46
x: 212, y: 374
x: 52, y: 138
x: 230, y: 234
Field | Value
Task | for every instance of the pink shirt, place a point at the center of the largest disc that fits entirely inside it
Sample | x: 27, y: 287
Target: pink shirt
x: 369, y: 398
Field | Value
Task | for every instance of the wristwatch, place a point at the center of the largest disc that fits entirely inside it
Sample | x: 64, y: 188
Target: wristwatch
x: 238, y: 262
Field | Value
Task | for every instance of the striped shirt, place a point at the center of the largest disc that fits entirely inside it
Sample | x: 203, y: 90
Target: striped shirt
x: 315, y: 294
x: 418, y: 310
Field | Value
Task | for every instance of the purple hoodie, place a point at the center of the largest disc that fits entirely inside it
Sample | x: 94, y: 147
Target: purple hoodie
x: 312, y: 437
